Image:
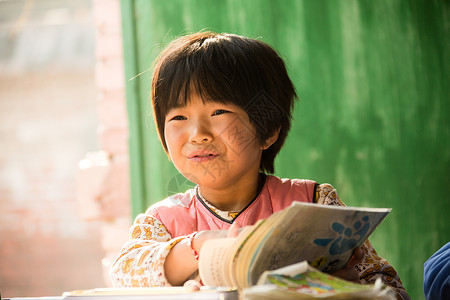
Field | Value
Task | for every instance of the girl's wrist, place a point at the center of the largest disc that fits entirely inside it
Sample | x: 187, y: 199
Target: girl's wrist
x: 192, y: 246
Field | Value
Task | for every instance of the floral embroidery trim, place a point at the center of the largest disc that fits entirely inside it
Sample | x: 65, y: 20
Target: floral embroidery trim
x: 227, y: 215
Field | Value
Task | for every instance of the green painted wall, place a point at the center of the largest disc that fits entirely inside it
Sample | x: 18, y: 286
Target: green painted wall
x: 373, y: 119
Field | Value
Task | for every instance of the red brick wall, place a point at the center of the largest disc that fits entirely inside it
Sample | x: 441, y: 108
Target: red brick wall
x: 45, y: 247
x: 108, y: 201
x: 60, y: 226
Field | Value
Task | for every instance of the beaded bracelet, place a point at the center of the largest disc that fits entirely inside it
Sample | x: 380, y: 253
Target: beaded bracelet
x: 190, y: 243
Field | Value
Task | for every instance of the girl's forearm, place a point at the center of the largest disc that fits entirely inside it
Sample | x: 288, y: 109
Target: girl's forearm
x: 180, y: 263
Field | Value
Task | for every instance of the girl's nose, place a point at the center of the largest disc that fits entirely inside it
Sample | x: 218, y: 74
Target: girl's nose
x: 200, y: 133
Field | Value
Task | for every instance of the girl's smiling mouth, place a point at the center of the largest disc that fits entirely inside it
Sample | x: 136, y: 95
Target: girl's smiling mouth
x: 202, y: 156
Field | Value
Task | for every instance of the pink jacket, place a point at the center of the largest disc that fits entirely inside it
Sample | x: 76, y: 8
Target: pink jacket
x: 184, y: 213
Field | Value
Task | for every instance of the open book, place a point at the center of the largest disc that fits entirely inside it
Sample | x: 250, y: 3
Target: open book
x: 301, y: 281
x: 323, y: 235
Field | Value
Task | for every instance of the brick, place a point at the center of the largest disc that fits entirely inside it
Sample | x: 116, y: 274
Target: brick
x: 91, y: 176
x: 114, y: 140
x: 109, y: 46
x: 109, y: 74
x: 112, y: 109
x: 107, y: 14
x: 115, y: 198
x: 103, y: 187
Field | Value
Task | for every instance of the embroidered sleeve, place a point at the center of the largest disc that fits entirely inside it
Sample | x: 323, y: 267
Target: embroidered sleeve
x: 141, y: 260
x: 372, y: 266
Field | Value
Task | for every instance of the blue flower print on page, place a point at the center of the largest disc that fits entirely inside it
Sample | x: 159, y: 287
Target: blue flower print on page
x: 347, y: 237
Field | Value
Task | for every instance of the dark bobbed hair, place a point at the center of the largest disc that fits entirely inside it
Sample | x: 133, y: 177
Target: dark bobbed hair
x: 227, y: 68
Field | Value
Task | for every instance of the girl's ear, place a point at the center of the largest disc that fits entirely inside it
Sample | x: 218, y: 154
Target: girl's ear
x: 271, y: 139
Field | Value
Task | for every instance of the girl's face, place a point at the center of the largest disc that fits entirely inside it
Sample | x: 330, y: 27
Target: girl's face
x: 213, y: 144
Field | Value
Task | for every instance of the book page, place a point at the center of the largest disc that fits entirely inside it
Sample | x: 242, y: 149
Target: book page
x: 217, y: 255
x: 147, y: 293
x: 291, y: 270
x: 213, y: 262
x: 134, y: 291
x: 246, y: 248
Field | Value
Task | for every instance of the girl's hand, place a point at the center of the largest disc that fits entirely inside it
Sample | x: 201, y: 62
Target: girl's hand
x: 205, y: 235
x: 181, y: 255
x: 234, y: 230
x: 192, y: 285
x: 349, y: 272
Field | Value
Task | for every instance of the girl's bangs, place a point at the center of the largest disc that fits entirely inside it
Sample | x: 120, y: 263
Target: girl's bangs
x: 199, y: 82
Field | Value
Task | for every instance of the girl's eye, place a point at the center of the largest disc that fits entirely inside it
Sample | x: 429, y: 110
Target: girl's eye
x: 219, y: 112
x: 178, y: 118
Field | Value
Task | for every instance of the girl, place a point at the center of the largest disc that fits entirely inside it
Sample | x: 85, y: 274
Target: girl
x: 222, y: 105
